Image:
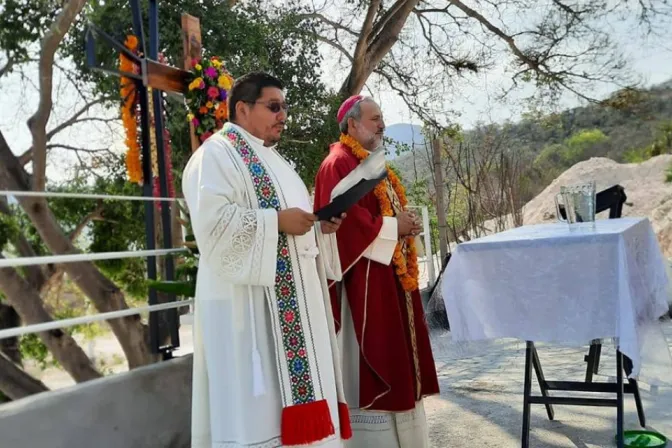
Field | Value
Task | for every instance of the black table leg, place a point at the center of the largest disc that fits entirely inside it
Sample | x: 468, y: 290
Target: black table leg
x: 593, y: 360
x: 542, y: 381
x: 525, y: 439
x: 638, y: 402
x: 619, y: 399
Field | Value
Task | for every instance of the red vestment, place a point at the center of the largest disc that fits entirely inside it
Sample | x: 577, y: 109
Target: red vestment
x: 388, y: 377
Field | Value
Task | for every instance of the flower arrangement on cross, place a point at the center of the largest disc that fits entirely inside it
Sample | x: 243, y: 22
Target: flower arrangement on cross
x: 207, y: 96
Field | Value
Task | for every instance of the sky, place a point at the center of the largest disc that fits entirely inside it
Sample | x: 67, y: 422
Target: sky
x: 474, y: 97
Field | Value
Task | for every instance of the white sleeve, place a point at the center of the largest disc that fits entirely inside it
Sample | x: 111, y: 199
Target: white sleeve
x: 328, y: 249
x: 238, y: 242
x: 382, y: 248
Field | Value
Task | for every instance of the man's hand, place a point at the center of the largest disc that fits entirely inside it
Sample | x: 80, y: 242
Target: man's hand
x: 408, y: 224
x: 295, y: 221
x: 333, y: 225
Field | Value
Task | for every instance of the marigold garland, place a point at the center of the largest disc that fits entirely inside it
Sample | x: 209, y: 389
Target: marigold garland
x: 129, y: 113
x: 405, y: 261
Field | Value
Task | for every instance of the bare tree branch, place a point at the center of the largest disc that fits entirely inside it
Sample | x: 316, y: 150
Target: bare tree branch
x: 325, y: 20
x: 336, y: 45
x: 27, y: 156
x: 7, y: 67
x: 38, y: 122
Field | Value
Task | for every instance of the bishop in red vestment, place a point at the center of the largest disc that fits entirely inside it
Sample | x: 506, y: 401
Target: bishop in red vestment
x: 388, y: 365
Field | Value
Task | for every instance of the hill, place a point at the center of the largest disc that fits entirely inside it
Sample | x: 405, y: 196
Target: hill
x: 623, y: 129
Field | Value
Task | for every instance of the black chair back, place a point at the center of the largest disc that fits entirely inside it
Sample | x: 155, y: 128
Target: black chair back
x: 611, y: 199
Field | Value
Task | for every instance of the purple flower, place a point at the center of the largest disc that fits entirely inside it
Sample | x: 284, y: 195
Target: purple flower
x: 210, y: 72
x: 222, y: 94
x: 195, y: 122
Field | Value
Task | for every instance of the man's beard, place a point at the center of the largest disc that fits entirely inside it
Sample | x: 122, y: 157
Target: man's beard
x: 370, y: 141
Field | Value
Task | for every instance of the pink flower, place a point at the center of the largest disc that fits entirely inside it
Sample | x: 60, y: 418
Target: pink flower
x: 210, y: 72
x: 195, y: 122
x: 213, y: 92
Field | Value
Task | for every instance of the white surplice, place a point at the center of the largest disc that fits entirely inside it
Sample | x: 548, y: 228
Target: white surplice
x: 235, y: 403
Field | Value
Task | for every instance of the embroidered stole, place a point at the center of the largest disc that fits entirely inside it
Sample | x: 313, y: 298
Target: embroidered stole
x: 305, y: 416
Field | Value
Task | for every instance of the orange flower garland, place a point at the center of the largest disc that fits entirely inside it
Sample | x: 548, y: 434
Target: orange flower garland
x: 128, y: 115
x: 406, y: 265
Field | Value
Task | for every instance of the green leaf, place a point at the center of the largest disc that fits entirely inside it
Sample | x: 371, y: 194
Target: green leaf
x: 184, y: 289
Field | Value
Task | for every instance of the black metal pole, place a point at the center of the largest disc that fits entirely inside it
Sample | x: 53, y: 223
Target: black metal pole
x: 619, y: 399
x: 147, y: 178
x: 157, y: 98
x: 527, y: 392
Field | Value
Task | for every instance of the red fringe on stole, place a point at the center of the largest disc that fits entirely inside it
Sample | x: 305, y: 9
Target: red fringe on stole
x: 344, y: 421
x: 306, y: 423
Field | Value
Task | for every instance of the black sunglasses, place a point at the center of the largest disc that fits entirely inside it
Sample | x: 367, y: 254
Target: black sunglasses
x: 273, y: 106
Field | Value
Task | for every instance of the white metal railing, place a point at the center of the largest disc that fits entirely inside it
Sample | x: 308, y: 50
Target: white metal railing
x: 427, y: 238
x: 55, y: 194
x: 80, y: 257
x: 64, y: 323
x: 74, y: 258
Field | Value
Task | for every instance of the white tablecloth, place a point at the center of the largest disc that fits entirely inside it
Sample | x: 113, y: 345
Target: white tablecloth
x: 565, y: 284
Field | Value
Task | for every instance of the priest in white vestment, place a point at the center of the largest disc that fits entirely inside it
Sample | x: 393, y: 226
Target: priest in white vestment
x: 266, y: 365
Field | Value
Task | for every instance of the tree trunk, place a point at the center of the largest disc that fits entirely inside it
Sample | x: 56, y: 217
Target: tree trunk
x: 439, y: 188
x: 105, y: 295
x: 375, y: 41
x: 28, y: 304
x: 10, y: 346
x: 15, y: 383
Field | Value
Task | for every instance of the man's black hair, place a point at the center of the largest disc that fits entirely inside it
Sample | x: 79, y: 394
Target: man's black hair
x: 248, y: 88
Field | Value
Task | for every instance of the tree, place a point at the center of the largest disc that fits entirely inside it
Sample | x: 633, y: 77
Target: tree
x: 422, y: 48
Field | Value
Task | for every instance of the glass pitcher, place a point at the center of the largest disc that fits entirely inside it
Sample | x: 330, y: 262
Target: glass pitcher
x: 579, y: 202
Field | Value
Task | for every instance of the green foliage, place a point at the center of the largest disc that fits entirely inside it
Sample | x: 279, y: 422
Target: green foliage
x: 9, y: 230
x: 577, y: 146
x: 22, y: 23
x: 556, y: 158
x: 661, y: 145
x: 636, y: 155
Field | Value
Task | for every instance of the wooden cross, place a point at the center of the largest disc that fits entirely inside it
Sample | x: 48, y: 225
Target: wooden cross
x: 154, y: 74
x: 160, y: 78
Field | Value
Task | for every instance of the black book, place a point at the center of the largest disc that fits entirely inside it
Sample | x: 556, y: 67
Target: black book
x: 342, y: 203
